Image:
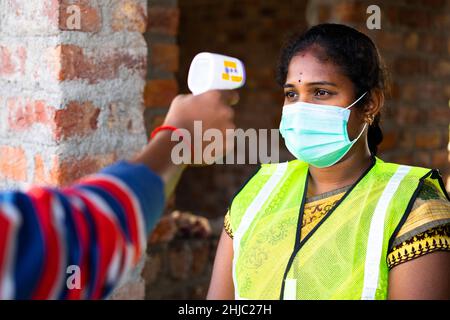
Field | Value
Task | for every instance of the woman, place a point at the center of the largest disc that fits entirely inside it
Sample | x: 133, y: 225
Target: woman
x: 338, y: 222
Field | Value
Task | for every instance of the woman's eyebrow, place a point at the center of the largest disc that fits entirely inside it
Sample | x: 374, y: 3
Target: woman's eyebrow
x: 316, y: 83
x: 321, y: 83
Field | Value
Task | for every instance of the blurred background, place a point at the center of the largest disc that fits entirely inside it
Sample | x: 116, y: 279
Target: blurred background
x: 73, y: 101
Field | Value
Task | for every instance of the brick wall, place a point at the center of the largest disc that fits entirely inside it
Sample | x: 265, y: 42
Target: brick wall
x: 71, y: 101
x: 161, y: 35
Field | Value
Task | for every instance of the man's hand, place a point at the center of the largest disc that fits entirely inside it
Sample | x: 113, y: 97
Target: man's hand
x: 212, y: 108
x: 213, y: 111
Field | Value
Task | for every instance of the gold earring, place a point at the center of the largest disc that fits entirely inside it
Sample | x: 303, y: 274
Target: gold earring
x: 370, y: 118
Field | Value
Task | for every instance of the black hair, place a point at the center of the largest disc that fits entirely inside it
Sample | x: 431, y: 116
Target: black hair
x: 353, y: 52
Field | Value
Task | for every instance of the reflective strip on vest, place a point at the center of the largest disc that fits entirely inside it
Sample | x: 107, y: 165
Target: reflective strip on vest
x: 250, y: 214
x: 375, y: 240
x: 290, y: 289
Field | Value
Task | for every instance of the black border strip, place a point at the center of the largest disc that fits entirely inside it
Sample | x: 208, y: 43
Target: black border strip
x: 299, y: 244
x: 437, y: 175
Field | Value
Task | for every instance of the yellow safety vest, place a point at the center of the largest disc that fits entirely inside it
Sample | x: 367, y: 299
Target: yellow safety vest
x: 343, y: 257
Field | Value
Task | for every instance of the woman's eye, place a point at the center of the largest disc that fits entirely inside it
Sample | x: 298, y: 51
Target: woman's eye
x: 290, y: 94
x: 322, y: 92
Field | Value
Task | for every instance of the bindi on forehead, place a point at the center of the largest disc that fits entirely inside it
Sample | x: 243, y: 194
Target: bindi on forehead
x: 300, y: 80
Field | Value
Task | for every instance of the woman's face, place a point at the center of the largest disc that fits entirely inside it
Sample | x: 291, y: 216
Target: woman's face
x: 314, y: 81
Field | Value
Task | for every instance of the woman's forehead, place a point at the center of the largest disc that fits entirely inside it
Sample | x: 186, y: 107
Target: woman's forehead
x: 307, y: 67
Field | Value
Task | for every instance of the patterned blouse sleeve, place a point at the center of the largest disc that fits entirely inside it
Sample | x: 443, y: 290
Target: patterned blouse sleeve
x: 227, y: 225
x: 426, y: 230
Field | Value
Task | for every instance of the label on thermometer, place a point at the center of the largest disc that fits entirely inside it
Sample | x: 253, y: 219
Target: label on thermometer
x: 210, y: 71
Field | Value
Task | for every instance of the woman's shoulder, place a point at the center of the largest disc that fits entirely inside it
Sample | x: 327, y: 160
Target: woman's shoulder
x: 426, y: 229
x: 431, y: 209
x: 414, y: 172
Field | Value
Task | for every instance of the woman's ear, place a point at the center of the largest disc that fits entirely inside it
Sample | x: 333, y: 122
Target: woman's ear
x: 375, y: 104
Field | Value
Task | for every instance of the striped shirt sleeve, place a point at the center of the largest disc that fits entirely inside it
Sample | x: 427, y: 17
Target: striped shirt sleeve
x: 78, y: 242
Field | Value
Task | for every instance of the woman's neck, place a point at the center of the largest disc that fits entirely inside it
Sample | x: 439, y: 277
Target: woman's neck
x: 343, y: 173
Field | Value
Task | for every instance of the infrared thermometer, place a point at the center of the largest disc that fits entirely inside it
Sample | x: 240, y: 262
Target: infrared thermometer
x: 211, y: 71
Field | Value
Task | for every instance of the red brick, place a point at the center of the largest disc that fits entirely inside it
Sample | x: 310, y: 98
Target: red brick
x: 437, y: 4
x: 422, y: 159
x: 199, y: 292
x: 411, y: 41
x: 25, y: 112
x: 6, y: 65
x: 13, y: 163
x: 12, y: 60
x: 160, y: 93
x: 441, y: 21
x: 200, y: 258
x: 406, y: 139
x: 165, y: 57
x: 41, y: 175
x: 350, y: 12
x: 409, y: 91
x: 407, y: 115
x: 22, y: 56
x: 156, y: 121
x: 395, y: 91
x: 129, y: 15
x: 98, y: 66
x: 153, y: 268
x: 324, y: 13
x: 389, y: 40
x: 75, y: 119
x: 411, y: 65
x: 120, y: 120
x: 391, y: 15
x: 73, y: 64
x: 432, y: 93
x: 413, y: 18
x: 428, y: 139
x: 406, y: 158
x: 442, y: 68
x: 180, y: 259
x: 390, y: 140
x: 65, y: 171
x: 50, y: 10
x: 164, y: 20
x: 91, y: 20
x: 433, y: 44
x: 440, y: 159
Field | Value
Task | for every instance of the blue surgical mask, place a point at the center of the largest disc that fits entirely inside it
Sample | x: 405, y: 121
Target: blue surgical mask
x: 316, y: 133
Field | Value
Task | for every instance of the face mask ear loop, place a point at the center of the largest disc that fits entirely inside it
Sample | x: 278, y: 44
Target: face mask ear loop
x: 356, y: 101
x: 360, y: 134
x: 365, y: 125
